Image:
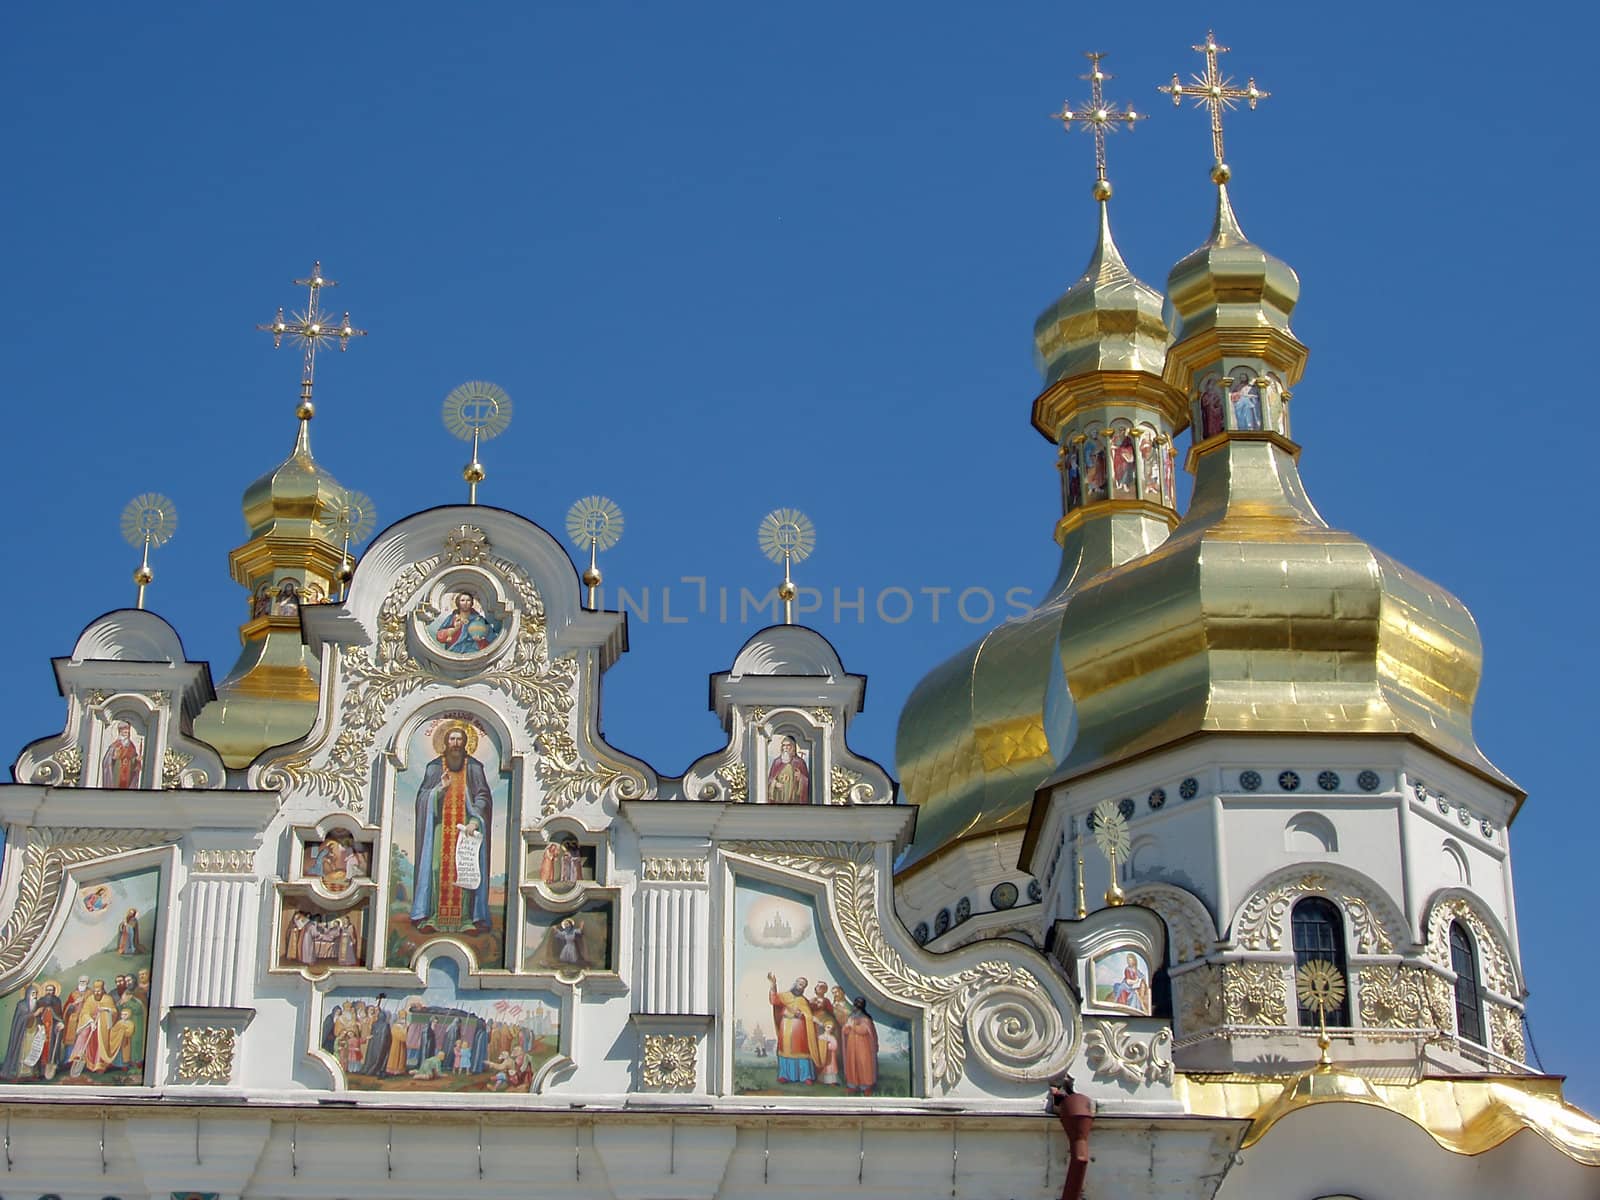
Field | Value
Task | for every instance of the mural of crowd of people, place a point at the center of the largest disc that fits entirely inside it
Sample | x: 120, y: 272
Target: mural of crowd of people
x: 441, y: 1039
x: 336, y: 861
x: 448, y: 841
x: 84, y: 1017
x: 800, y: 1024
x: 1243, y: 400
x: 320, y: 941
x: 463, y: 627
x: 1123, y: 462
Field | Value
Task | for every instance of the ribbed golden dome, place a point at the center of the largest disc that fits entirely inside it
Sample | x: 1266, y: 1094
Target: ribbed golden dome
x: 292, y: 556
x: 1107, y: 321
x: 982, y: 729
x: 1255, y: 616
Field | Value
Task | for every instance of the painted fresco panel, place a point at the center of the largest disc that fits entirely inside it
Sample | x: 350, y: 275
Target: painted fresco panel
x: 1122, y: 980
x: 449, y: 817
x: 440, y: 1039
x: 582, y: 940
x: 84, y: 1018
x: 803, y: 1026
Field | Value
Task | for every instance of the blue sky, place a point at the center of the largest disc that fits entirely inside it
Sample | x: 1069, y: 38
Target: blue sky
x: 727, y: 257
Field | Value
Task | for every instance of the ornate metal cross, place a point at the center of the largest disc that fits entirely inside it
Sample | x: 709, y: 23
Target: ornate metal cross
x: 311, y: 328
x: 1099, y: 118
x: 1213, y: 90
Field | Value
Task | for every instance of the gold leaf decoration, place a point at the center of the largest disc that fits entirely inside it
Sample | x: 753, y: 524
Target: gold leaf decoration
x: 669, y: 1061
x: 205, y: 1055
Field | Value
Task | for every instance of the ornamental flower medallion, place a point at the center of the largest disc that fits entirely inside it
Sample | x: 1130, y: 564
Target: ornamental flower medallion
x: 669, y: 1061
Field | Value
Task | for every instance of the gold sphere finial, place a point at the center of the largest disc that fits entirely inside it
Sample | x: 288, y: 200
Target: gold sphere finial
x: 306, y: 410
x: 473, y: 472
x: 347, y: 570
x: 591, y: 577
x: 143, y: 575
x: 1102, y: 190
x: 787, y: 591
x: 1221, y: 173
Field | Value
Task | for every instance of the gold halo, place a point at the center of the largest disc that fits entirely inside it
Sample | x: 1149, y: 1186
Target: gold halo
x: 443, y: 726
x: 786, y: 531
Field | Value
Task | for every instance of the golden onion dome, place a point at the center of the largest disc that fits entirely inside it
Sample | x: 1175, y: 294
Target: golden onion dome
x: 1255, y: 616
x: 982, y: 729
x: 1107, y: 321
x: 292, y: 556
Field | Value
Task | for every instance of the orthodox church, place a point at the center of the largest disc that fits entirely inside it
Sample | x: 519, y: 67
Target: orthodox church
x: 1192, y: 882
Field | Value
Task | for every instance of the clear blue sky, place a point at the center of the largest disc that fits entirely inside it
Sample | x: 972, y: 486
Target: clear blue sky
x: 730, y: 256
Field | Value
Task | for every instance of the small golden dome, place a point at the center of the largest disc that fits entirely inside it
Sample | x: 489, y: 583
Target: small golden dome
x: 1231, y: 297
x: 297, y: 496
x: 1107, y: 321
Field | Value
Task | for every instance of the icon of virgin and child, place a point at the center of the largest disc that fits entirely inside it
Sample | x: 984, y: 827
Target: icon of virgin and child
x: 454, y: 810
x: 463, y: 627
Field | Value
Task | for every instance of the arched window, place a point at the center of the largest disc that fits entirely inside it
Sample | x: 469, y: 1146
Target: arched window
x: 1319, y: 933
x: 1464, y: 962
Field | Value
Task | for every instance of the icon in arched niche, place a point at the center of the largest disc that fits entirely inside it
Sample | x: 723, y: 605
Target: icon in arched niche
x: 440, y: 1039
x: 1122, y: 980
x: 122, y: 760
x: 581, y: 940
x: 1094, y: 470
x: 563, y: 863
x: 321, y: 941
x: 1245, y: 397
x: 1212, y: 402
x: 789, y: 761
x: 84, y: 1016
x: 802, y: 1025
x: 448, y: 840
x: 337, y: 861
x: 1150, y: 461
x: 1124, y: 468
x: 463, y: 625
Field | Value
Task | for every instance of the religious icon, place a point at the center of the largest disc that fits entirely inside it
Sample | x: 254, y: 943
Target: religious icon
x: 1124, y: 466
x: 799, y: 1025
x: 563, y: 863
x: 441, y: 1039
x: 463, y: 627
x: 286, y: 600
x: 261, y: 602
x: 1072, y: 481
x: 319, y: 941
x: 571, y: 942
x: 92, y: 1033
x: 1094, y: 470
x: 1246, y: 400
x: 122, y: 763
x: 446, y: 866
x: 336, y: 861
x: 1122, y: 979
x: 1150, y: 463
x: 788, y: 773
x: 1211, y: 407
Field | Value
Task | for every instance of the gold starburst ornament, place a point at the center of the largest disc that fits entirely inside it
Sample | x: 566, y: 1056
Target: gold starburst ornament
x: 353, y: 520
x: 476, y: 412
x: 149, y: 519
x: 1111, y: 835
x: 787, y: 535
x: 595, y: 522
x: 1217, y: 92
x: 1320, y: 987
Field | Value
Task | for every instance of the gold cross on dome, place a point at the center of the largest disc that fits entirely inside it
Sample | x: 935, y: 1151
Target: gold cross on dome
x: 1099, y: 118
x: 1214, y: 90
x: 311, y: 327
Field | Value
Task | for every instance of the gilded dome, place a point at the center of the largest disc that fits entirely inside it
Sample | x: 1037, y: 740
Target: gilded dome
x: 1255, y: 616
x: 296, y: 497
x: 982, y: 729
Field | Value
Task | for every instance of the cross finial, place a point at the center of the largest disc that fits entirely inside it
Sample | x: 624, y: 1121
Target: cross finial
x: 311, y: 328
x: 1217, y: 92
x: 1099, y: 118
